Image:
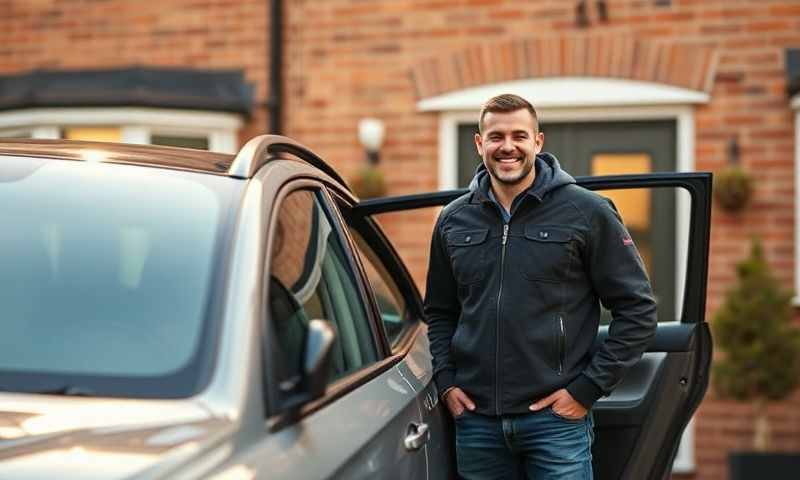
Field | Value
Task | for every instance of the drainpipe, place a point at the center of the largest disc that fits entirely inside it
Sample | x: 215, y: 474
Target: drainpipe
x: 275, y: 101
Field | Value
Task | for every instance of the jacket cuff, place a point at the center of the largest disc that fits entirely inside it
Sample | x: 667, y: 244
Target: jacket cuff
x: 584, y: 391
x: 445, y: 380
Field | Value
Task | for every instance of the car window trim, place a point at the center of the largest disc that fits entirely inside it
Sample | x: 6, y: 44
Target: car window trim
x: 354, y: 262
x: 317, y: 188
x: 391, y: 260
x: 381, y: 247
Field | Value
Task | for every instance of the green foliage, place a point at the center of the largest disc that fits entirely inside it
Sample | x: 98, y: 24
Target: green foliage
x: 733, y: 188
x: 754, y: 330
x: 368, y: 183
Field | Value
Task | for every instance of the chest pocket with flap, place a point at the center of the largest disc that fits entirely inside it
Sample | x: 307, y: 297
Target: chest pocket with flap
x: 546, y: 254
x: 467, y: 250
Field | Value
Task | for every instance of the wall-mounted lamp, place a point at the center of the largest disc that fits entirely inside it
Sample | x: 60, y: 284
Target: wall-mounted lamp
x: 371, y: 133
x: 368, y: 181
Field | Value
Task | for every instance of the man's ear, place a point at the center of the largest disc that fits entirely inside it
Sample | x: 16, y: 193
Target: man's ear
x: 539, y: 141
x: 479, y: 144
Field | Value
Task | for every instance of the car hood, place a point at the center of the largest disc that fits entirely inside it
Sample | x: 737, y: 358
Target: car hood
x: 66, y: 437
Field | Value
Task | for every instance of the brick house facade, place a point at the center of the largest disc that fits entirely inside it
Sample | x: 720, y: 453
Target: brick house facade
x: 349, y: 59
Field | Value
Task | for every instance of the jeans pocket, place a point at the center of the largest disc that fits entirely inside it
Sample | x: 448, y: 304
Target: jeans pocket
x: 560, y: 417
x: 461, y: 416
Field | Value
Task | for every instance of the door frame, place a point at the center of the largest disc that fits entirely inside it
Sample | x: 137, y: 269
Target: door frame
x: 683, y: 115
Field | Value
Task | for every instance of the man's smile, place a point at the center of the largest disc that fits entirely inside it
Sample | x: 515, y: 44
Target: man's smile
x: 508, y: 159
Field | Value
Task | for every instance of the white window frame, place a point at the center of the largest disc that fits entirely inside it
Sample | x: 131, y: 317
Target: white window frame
x: 137, y: 125
x: 795, y: 103
x: 586, y: 100
x: 33, y: 132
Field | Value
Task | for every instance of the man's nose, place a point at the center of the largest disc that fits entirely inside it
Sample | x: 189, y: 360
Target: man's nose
x: 507, y: 145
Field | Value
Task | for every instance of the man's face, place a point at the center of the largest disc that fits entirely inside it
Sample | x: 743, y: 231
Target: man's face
x: 509, y: 144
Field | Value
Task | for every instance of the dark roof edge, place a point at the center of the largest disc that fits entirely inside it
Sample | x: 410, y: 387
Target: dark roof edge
x: 191, y: 89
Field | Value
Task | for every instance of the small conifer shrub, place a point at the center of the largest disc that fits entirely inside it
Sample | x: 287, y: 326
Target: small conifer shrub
x: 760, y: 346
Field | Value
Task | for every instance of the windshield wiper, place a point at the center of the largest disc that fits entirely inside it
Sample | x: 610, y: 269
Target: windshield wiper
x: 66, y: 390
x: 70, y: 391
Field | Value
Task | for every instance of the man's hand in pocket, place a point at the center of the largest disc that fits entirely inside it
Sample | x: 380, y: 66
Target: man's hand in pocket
x: 457, y: 401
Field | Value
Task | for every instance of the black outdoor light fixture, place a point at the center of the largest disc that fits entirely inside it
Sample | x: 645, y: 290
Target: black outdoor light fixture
x: 602, y: 10
x: 581, y: 14
x: 734, y: 151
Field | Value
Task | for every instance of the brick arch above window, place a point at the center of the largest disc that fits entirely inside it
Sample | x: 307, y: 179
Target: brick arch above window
x: 683, y: 65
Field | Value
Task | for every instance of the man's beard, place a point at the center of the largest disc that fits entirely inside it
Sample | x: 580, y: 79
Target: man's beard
x: 509, y: 178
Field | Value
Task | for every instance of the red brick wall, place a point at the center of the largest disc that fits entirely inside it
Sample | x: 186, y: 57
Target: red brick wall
x: 347, y: 59
x: 353, y: 59
x: 85, y: 34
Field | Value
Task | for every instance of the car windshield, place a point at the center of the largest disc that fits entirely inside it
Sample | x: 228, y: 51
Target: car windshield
x: 108, y: 273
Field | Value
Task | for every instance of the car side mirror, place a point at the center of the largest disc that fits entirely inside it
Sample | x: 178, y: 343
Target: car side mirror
x: 317, y: 360
x: 319, y: 339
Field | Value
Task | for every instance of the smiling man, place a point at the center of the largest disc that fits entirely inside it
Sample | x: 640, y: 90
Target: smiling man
x: 518, y: 269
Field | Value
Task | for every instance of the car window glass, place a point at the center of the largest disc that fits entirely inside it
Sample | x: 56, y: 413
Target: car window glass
x: 390, y: 301
x: 106, y: 282
x: 310, y: 278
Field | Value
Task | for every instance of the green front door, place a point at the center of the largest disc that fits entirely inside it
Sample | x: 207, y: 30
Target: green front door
x: 611, y: 148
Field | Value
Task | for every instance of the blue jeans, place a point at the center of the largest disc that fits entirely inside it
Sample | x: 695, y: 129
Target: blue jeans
x: 539, y: 445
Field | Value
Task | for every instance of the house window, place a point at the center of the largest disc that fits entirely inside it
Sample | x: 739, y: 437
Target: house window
x: 185, y: 141
x: 183, y: 107
x: 95, y: 134
x: 215, y: 131
x: 20, y: 133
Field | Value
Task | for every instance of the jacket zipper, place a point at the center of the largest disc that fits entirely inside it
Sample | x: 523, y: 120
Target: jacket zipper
x: 562, y: 344
x: 498, y: 389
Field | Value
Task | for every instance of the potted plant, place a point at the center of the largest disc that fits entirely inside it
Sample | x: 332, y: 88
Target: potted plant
x: 733, y: 185
x: 368, y: 182
x: 760, y: 361
x: 733, y: 188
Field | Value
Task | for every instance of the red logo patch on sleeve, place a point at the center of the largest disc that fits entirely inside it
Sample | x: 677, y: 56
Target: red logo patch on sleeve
x: 627, y: 241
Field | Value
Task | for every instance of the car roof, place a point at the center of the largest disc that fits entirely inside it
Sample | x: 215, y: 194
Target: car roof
x: 254, y: 154
x: 145, y: 155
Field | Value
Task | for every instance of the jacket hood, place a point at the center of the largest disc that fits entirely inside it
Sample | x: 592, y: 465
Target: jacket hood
x: 549, y: 176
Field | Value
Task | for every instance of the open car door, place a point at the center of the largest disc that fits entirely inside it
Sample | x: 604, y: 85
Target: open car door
x: 639, y: 426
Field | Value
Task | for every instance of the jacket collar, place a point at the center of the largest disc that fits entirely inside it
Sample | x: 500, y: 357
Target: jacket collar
x: 481, y: 183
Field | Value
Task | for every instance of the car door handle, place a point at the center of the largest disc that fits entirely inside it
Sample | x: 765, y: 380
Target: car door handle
x: 417, y: 435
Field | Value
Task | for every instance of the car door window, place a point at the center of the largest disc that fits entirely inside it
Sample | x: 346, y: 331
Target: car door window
x: 390, y: 301
x: 310, y: 277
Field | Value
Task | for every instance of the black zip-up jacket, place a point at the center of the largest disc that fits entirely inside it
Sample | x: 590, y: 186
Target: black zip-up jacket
x: 513, y: 309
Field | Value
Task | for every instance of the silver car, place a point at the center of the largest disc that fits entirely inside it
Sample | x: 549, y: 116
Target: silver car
x: 181, y: 314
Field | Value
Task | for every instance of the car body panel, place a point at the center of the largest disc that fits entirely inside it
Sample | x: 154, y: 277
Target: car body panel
x: 417, y: 369
x: 353, y: 437
x: 386, y: 402
x: 59, y: 437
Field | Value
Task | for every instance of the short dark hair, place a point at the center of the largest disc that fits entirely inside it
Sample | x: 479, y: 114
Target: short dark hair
x: 505, y: 103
